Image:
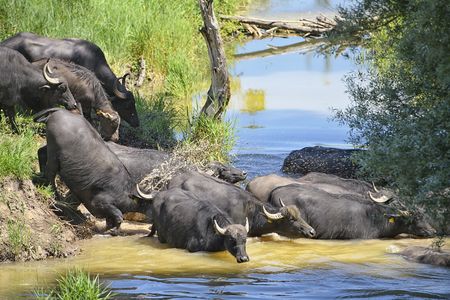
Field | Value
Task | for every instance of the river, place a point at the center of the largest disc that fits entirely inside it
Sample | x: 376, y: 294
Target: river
x: 280, y: 103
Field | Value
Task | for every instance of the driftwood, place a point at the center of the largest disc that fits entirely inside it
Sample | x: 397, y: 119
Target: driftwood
x: 260, y: 27
x: 301, y: 47
x: 219, y: 91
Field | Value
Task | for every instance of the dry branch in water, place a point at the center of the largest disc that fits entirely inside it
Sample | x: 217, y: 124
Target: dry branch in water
x: 260, y: 27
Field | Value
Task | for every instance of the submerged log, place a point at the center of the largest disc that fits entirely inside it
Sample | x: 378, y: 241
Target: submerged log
x: 219, y: 91
x: 304, y: 27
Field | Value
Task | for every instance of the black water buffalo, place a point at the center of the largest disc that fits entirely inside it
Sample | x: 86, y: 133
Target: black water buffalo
x: 88, y: 91
x: 262, y: 186
x: 81, y: 52
x: 349, y: 216
x: 184, y: 221
x: 90, y: 170
x: 141, y: 162
x: 240, y: 205
x: 23, y: 83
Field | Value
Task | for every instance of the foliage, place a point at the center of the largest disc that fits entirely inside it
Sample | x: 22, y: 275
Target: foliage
x: 158, y: 119
x: 77, y: 285
x: 218, y: 135
x: 18, y: 151
x: 401, y: 101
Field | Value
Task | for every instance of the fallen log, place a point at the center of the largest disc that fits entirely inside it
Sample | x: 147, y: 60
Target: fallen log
x: 316, y: 27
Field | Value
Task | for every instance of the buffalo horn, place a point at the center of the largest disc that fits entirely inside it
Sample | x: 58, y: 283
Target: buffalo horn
x: 281, y: 202
x: 142, y: 194
x: 404, y: 213
x: 124, y: 77
x: 375, y: 188
x: 116, y: 91
x: 381, y: 199
x: 47, y: 72
x: 105, y: 115
x: 247, y: 226
x: 218, y: 228
x: 276, y: 216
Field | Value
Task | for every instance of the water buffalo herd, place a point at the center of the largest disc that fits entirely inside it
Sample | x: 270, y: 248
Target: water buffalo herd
x: 196, y: 211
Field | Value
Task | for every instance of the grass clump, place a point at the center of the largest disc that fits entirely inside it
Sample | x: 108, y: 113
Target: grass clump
x: 18, y: 151
x: 217, y: 136
x: 19, y: 237
x: 77, y: 285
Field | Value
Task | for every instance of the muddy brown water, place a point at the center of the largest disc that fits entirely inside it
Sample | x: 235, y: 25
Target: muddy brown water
x: 280, y: 103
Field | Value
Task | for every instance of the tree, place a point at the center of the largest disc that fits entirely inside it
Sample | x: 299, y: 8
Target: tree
x: 400, y: 107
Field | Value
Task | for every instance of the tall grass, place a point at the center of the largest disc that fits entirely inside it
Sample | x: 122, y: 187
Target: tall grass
x: 164, y: 32
x: 18, y: 152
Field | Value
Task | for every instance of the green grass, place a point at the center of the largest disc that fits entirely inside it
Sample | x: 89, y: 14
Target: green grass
x: 19, y: 237
x: 77, y: 285
x: 18, y: 152
x: 217, y: 136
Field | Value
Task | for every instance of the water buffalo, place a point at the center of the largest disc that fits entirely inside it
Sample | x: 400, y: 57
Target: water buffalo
x: 21, y: 82
x: 240, y: 205
x: 84, y: 53
x: 88, y: 91
x: 184, y: 221
x: 426, y: 256
x: 348, y: 216
x: 262, y: 186
x: 141, y: 162
x: 90, y: 170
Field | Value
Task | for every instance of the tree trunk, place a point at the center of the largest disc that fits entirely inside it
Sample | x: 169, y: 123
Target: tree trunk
x: 219, y: 91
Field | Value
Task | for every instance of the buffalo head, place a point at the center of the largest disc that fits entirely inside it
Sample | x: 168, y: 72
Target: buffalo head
x: 123, y: 101
x: 235, y: 238
x: 56, y: 90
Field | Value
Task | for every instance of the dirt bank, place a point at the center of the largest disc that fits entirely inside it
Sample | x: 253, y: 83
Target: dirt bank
x: 29, y: 229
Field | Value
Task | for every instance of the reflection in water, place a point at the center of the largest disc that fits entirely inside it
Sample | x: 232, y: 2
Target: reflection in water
x: 254, y: 101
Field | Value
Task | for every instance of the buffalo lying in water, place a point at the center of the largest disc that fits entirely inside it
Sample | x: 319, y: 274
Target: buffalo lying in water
x: 347, y: 216
x: 241, y: 205
x: 184, y: 221
x: 262, y: 186
x: 90, y: 170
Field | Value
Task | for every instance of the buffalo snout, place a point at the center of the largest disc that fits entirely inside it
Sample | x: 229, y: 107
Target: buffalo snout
x: 241, y: 259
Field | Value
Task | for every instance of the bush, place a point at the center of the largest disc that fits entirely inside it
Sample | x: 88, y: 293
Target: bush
x: 400, y: 105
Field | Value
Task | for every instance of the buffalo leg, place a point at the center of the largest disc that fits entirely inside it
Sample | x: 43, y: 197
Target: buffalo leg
x: 193, y: 245
x: 114, y: 219
x: 10, y: 113
x: 51, y: 169
x: 42, y: 157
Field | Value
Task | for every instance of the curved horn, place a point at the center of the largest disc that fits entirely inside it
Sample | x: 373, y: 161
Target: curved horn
x: 247, y: 226
x: 47, y: 72
x: 142, y: 194
x: 116, y: 91
x: 281, y: 202
x: 124, y: 77
x: 404, y: 213
x: 375, y: 188
x: 276, y: 216
x: 381, y: 199
x: 218, y: 228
